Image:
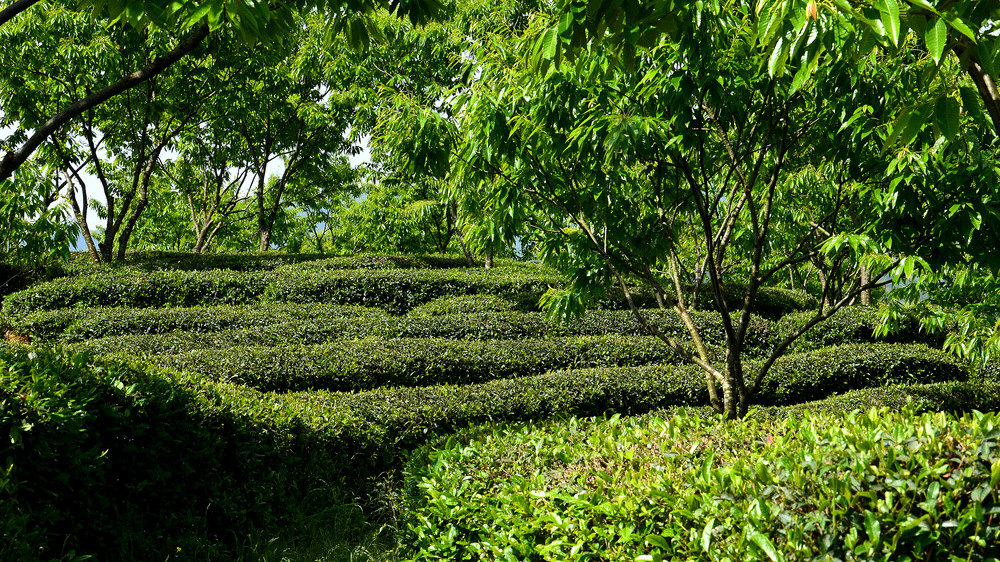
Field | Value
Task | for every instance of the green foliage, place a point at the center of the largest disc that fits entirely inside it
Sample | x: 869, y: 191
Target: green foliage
x: 81, y: 324
x: 396, y: 290
x: 399, y: 290
x: 874, y: 486
x: 956, y: 396
x: 105, y: 459
x: 800, y: 377
x: 855, y: 324
x: 144, y: 332
x: 373, y: 363
x: 472, y: 304
x: 140, y: 289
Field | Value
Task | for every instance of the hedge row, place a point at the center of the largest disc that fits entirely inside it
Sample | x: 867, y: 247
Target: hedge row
x: 476, y: 304
x: 798, y: 377
x: 814, y: 375
x: 82, y: 264
x: 398, y: 290
x: 111, y: 329
x: 373, y: 363
x: 375, y: 261
x: 829, y: 487
x: 107, y: 460
x: 112, y: 460
x: 772, y: 302
x: 853, y: 324
x: 79, y: 324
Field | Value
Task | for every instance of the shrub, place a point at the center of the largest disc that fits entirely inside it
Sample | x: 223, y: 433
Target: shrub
x: 376, y: 261
x: 772, y: 302
x: 79, y: 324
x: 473, y: 304
x: 875, y: 486
x: 325, y: 324
x: 140, y: 290
x: 799, y: 377
x: 135, y: 262
x: 953, y: 396
x: 109, y: 460
x: 397, y: 290
x: 853, y: 324
x: 371, y: 363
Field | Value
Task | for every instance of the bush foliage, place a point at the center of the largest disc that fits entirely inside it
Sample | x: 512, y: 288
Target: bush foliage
x: 872, y: 486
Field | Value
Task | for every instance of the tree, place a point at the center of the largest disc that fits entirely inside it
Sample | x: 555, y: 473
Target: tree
x: 628, y: 149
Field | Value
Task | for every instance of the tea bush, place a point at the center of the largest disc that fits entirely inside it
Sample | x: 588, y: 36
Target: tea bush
x: 873, y: 486
x: 80, y: 324
x: 319, y: 326
x: 373, y: 362
x: 101, y: 458
x: 799, y: 377
x: 853, y: 324
x: 398, y: 290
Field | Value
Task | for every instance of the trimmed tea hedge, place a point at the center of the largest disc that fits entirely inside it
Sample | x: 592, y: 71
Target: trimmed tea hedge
x: 475, y: 304
x: 269, y: 330
x: 813, y: 375
x: 140, y: 290
x: 107, y: 460
x: 371, y: 363
x: 772, y: 302
x: 954, y: 396
x: 398, y: 290
x: 853, y: 324
x: 112, y: 460
x: 875, y: 486
x: 79, y: 324
x: 799, y: 377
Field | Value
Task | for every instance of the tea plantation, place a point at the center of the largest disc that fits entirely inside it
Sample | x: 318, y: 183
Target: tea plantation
x: 386, y: 407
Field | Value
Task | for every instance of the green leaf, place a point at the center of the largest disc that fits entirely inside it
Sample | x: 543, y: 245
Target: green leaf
x: 962, y: 28
x: 550, y: 43
x: 947, y: 116
x: 937, y: 37
x: 764, y: 544
x: 776, y: 63
x: 890, y: 18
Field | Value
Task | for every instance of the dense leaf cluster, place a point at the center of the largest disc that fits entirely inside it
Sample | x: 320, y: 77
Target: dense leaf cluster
x: 868, y: 486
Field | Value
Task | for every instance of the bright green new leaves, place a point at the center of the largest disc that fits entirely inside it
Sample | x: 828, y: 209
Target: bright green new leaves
x: 867, y: 486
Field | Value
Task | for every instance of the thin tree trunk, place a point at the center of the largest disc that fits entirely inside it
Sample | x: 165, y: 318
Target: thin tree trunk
x: 141, y: 203
x: 985, y: 83
x: 866, y: 295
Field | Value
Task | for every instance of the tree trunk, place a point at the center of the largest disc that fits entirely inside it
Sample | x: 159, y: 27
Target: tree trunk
x: 866, y: 295
x: 489, y: 258
x: 824, y: 284
x: 141, y: 203
x: 985, y: 83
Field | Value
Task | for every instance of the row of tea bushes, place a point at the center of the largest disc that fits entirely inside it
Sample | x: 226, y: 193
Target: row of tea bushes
x: 108, y: 459
x: 853, y: 324
x: 68, y: 325
x: 772, y: 302
x: 396, y: 290
x: 373, y: 362
x: 874, y: 486
x: 226, y: 326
